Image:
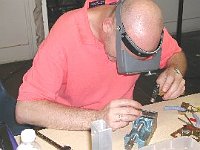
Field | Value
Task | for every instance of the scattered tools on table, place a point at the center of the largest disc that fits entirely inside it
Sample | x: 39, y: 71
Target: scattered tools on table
x: 190, y: 108
x: 185, y: 107
x: 189, y: 129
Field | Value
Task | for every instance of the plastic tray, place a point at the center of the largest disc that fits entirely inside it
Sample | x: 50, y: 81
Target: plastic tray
x: 180, y: 143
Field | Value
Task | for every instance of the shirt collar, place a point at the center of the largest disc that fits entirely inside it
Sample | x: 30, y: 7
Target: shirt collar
x: 86, y: 35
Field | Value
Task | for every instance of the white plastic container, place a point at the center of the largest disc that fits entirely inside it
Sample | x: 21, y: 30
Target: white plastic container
x: 28, y: 140
x: 180, y: 143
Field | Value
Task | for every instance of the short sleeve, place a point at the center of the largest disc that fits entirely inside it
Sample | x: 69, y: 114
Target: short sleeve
x: 43, y: 80
x: 169, y: 48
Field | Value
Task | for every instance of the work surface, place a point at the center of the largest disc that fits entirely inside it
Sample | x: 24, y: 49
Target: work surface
x: 167, y: 123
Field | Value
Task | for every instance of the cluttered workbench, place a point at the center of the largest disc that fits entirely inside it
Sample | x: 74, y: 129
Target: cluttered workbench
x: 168, y: 124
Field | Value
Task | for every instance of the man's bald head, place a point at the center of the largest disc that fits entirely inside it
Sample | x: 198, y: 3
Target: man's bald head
x: 143, y: 22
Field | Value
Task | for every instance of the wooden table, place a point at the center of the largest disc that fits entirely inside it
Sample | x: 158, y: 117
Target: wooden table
x: 167, y: 123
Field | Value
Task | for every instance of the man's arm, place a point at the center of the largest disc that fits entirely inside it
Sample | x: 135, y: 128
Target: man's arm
x: 57, y: 116
x: 171, y: 80
x: 53, y: 115
x: 178, y: 60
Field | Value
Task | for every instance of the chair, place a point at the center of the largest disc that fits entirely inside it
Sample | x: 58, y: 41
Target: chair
x: 7, y: 112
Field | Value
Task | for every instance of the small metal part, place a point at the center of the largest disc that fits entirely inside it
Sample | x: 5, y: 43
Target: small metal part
x: 150, y: 73
x: 190, y: 108
x: 177, y: 71
x: 131, y: 142
x: 101, y: 136
x: 185, y: 107
x: 51, y: 142
x: 155, y: 93
x: 118, y: 28
x: 142, y: 130
x: 188, y: 130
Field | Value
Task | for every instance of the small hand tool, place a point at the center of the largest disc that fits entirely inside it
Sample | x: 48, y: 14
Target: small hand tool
x: 178, y: 108
x: 184, y: 121
x: 51, y: 142
x: 190, y: 108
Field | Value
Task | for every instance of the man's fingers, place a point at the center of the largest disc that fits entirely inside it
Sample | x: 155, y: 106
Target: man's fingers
x: 130, y: 111
x: 119, y: 113
x: 175, y: 91
x: 167, y: 84
x: 118, y: 125
x: 127, y: 118
x: 126, y: 103
x: 161, y: 79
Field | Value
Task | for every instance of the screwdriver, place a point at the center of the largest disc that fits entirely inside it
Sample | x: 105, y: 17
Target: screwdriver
x: 51, y: 142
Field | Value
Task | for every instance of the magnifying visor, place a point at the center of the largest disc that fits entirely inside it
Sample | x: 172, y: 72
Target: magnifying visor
x: 131, y: 46
x: 126, y: 62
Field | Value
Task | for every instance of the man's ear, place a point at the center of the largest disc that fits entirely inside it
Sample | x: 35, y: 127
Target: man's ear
x: 108, y: 24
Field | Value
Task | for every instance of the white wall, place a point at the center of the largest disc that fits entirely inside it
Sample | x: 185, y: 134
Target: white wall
x: 191, y: 14
x: 17, y: 30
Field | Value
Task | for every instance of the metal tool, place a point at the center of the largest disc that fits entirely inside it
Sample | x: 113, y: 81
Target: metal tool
x: 189, y: 129
x: 187, y: 123
x: 178, y: 108
x: 51, y: 142
x: 155, y: 93
x: 185, y: 107
x: 142, y: 130
x: 190, y: 108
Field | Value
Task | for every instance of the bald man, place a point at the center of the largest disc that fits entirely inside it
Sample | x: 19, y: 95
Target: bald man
x: 74, y: 80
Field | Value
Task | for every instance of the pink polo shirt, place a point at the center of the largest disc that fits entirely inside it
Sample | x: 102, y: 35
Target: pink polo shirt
x: 71, y: 67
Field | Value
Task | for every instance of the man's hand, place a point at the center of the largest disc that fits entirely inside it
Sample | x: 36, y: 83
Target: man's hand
x: 118, y: 113
x: 171, y: 83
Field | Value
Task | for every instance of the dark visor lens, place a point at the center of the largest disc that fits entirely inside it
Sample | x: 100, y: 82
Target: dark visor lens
x: 137, y: 50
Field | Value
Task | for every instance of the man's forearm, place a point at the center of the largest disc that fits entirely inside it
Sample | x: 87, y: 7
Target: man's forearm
x: 178, y: 61
x: 53, y: 115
